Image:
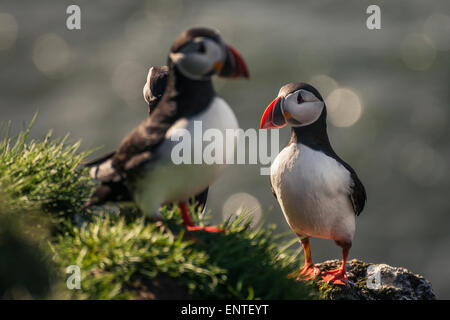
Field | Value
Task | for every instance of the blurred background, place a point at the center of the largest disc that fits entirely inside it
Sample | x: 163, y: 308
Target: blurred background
x: 387, y: 93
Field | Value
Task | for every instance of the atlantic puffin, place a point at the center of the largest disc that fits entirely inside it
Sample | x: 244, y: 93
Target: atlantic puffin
x: 318, y: 192
x: 153, y: 91
x: 142, y: 168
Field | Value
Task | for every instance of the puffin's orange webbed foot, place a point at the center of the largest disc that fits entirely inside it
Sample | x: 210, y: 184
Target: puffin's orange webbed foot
x: 308, y: 272
x: 338, y: 276
x: 189, y: 224
x: 205, y: 229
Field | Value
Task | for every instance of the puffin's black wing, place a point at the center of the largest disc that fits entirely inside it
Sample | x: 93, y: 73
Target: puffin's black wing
x: 140, y: 145
x: 134, y: 151
x: 358, y: 196
x: 271, y: 188
x: 153, y: 91
x: 112, y: 186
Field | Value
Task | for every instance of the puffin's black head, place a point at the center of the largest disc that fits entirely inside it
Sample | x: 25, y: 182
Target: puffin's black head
x: 298, y: 104
x: 155, y: 86
x: 199, y: 53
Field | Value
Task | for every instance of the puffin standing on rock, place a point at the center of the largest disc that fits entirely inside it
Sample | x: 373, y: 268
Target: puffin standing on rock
x: 142, y: 166
x: 318, y: 192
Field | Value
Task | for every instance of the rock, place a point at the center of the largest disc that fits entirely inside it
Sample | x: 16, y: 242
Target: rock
x: 368, y: 281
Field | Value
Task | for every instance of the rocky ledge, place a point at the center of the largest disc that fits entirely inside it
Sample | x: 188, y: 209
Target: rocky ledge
x: 368, y: 281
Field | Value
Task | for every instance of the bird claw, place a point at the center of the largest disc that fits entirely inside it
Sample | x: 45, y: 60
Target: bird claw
x: 338, y: 276
x: 308, y: 272
x: 333, y: 271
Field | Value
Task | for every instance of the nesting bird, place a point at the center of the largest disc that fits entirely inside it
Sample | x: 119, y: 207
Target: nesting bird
x: 318, y: 192
x: 141, y: 168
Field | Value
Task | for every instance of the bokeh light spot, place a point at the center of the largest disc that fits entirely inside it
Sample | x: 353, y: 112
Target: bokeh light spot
x: 324, y: 83
x: 418, y: 52
x: 8, y: 31
x: 51, y: 54
x: 242, y: 202
x: 344, y: 107
x: 437, y: 27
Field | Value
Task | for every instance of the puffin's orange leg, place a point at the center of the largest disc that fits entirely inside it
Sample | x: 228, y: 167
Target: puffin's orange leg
x: 189, y: 225
x: 309, y: 270
x: 338, y: 276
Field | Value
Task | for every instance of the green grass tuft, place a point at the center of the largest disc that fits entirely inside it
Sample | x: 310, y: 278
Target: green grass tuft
x: 45, y: 174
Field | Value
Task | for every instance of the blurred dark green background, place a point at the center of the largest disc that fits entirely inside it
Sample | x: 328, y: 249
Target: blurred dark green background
x: 387, y: 92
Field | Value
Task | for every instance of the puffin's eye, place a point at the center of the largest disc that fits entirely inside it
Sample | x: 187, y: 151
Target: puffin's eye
x: 201, y: 48
x: 299, y: 98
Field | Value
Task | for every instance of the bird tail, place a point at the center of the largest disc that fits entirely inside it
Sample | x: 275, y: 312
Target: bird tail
x: 111, y: 187
x: 108, y: 192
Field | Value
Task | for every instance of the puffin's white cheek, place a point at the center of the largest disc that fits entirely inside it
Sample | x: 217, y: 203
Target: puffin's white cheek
x: 195, y: 65
x: 308, y: 112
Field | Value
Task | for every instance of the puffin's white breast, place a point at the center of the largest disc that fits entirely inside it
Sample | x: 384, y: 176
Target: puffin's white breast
x: 313, y: 191
x: 164, y: 181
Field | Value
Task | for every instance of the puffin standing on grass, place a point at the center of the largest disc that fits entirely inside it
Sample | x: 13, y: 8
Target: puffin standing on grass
x: 318, y: 192
x: 142, y: 167
x: 153, y: 91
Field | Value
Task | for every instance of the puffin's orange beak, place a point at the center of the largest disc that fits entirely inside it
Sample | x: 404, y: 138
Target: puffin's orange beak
x: 234, y: 66
x: 273, y: 116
